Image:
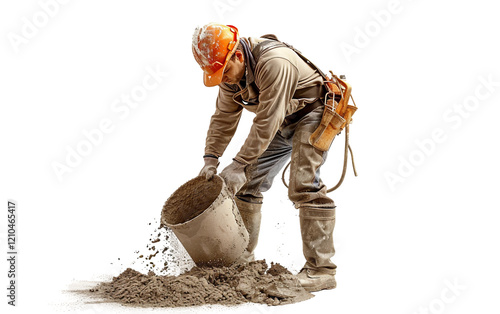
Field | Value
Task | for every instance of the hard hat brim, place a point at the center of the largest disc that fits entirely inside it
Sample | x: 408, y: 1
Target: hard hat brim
x: 215, y: 78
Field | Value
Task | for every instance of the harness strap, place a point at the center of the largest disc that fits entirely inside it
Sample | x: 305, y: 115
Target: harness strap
x: 273, y: 42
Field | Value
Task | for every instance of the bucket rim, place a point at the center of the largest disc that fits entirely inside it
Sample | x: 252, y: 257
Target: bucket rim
x: 223, y: 192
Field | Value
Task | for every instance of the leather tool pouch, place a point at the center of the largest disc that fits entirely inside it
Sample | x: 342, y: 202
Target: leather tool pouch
x: 336, y: 115
x: 329, y: 127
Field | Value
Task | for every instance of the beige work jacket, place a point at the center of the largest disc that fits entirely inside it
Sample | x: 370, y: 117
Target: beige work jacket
x: 278, y: 74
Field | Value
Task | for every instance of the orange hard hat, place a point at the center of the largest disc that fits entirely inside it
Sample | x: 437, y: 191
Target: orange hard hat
x: 213, y: 46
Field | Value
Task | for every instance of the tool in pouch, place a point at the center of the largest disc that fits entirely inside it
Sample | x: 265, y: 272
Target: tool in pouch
x: 337, y: 114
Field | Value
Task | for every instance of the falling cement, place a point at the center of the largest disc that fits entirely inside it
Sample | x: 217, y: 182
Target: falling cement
x: 232, y: 285
x: 163, y: 254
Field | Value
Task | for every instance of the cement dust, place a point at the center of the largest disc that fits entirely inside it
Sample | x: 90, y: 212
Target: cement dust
x: 163, y: 254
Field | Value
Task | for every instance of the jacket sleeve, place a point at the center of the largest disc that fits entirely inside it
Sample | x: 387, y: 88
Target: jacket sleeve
x: 277, y: 79
x: 223, y: 123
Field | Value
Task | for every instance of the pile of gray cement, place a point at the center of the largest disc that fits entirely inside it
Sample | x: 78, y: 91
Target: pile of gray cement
x: 232, y: 285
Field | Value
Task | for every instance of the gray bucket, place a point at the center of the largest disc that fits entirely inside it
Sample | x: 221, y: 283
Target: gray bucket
x: 205, y: 219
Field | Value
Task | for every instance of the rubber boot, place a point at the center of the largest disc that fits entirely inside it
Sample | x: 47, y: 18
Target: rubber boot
x: 251, y: 215
x: 316, y: 226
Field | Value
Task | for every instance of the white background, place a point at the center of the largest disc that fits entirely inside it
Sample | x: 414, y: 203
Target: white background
x: 399, y: 245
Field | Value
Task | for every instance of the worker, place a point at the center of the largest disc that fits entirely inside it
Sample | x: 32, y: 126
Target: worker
x: 286, y: 94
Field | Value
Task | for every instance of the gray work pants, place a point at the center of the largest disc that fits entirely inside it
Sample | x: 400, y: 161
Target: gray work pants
x: 292, y: 140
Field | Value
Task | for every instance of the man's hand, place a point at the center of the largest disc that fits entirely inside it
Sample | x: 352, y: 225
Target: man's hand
x: 210, y: 168
x: 234, y: 176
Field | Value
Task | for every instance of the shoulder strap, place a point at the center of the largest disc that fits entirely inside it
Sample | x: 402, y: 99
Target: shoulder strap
x: 265, y: 46
x: 312, y: 65
x: 273, y: 42
x: 270, y: 36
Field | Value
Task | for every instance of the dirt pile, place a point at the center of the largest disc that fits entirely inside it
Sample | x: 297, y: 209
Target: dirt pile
x: 236, y: 284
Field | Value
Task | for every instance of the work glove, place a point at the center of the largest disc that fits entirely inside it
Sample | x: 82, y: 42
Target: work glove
x: 234, y: 176
x: 210, y: 168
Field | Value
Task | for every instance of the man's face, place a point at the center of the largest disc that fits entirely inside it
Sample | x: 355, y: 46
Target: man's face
x: 235, y: 69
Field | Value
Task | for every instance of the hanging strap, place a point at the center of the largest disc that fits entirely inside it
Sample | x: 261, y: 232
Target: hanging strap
x: 347, y: 149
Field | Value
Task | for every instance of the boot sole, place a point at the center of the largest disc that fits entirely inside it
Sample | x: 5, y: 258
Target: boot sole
x: 325, y: 286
